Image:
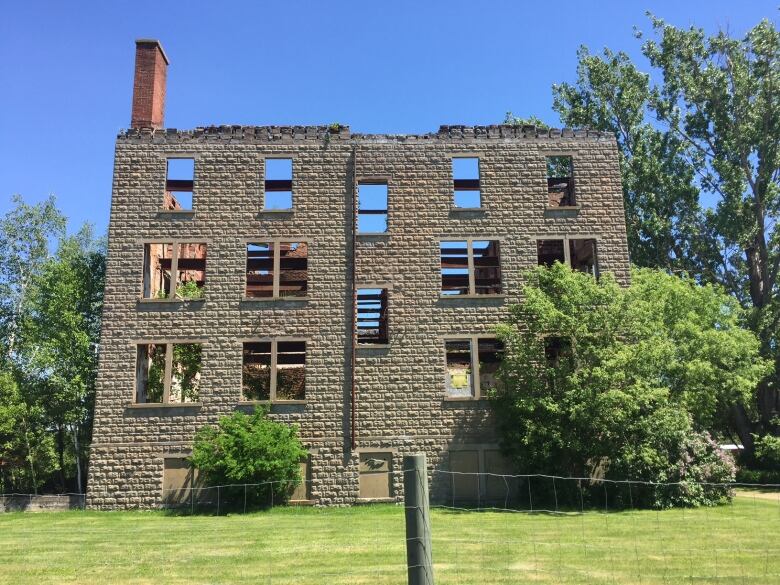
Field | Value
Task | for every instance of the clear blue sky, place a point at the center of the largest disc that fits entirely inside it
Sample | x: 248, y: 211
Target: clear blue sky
x: 392, y: 67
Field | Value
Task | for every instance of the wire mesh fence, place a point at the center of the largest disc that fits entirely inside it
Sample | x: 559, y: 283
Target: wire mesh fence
x: 485, y: 528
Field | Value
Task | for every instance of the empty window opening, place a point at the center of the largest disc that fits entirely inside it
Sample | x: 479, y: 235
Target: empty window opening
x: 186, y: 260
x: 277, y: 269
x: 372, y: 207
x: 179, y: 183
x: 582, y: 254
x: 560, y: 181
x: 490, y: 354
x: 459, y: 380
x: 467, y: 377
x: 375, y: 475
x: 487, y: 268
x: 466, y: 183
x: 550, y: 251
x: 454, y: 267
x: 470, y: 267
x: 274, y: 370
x: 293, y: 269
x: 372, y: 316
x: 558, y: 351
x: 278, y: 183
x: 257, y: 371
x: 260, y: 270
x: 168, y: 373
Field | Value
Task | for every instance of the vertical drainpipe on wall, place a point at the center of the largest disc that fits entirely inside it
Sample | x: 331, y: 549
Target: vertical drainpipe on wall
x: 353, y: 320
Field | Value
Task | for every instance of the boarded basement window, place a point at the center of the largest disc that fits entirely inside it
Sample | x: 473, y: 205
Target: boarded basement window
x: 277, y: 269
x: 375, y: 475
x: 179, y: 481
x: 560, y: 181
x: 464, y: 466
x: 466, y: 183
x: 168, y: 373
x: 302, y: 491
x: 179, y: 181
x: 470, y: 267
x: 274, y: 370
x: 372, y: 207
x: 278, y: 183
x: 372, y: 327
x: 186, y: 260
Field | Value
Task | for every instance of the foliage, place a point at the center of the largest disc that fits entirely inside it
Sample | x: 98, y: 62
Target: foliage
x: 700, y: 157
x: 513, y: 120
x: 768, y: 452
x: 49, y: 329
x: 655, y: 366
x: 186, y: 370
x: 250, y: 449
x: 189, y: 290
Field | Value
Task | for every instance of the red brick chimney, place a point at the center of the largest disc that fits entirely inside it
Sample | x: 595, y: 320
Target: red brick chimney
x: 151, y: 65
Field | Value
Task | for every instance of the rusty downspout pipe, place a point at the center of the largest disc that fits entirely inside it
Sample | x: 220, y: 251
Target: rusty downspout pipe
x: 353, y: 319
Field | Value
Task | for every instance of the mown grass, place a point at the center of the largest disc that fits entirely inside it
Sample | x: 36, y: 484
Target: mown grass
x: 738, y: 543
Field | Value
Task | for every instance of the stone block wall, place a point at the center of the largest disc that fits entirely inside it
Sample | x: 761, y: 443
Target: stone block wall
x: 400, y: 398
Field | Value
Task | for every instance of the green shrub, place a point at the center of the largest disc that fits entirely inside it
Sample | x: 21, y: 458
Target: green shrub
x: 768, y: 452
x: 250, y: 449
x: 189, y: 290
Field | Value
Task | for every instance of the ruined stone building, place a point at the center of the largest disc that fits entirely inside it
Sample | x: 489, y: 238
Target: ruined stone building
x: 350, y: 281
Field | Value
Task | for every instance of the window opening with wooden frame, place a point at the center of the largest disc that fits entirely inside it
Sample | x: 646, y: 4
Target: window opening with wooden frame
x: 185, y: 260
x: 372, y: 207
x: 274, y: 371
x: 277, y: 269
x: 168, y: 373
x: 470, y: 267
x: 462, y: 362
x: 179, y: 184
x: 579, y: 253
x: 466, y: 183
x: 278, y: 184
x: 560, y: 181
x: 372, y: 317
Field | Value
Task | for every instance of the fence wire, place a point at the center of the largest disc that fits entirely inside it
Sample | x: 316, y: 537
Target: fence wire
x: 486, y: 529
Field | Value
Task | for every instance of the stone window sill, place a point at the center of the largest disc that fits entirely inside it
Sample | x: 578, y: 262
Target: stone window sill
x: 142, y: 405
x: 274, y: 299
x: 562, y: 210
x: 143, y: 301
x: 373, y: 345
x: 176, y: 213
x: 270, y: 402
x: 390, y: 500
x: 464, y: 399
x: 472, y: 297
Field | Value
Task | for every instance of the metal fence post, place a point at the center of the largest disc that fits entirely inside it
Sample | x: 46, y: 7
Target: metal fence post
x: 418, y: 524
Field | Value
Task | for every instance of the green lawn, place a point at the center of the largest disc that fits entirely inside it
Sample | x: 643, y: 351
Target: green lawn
x: 738, y: 543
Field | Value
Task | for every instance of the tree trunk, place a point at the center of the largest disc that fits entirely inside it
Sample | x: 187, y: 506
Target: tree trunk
x: 61, y: 456
x: 78, y: 458
x: 744, y: 430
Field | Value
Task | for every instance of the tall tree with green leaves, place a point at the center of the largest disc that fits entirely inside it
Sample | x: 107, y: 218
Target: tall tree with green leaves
x: 61, y: 333
x: 699, y: 140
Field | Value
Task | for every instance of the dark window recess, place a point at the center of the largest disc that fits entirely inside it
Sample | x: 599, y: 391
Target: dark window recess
x: 274, y: 370
x: 372, y: 316
x: 487, y: 268
x: 158, y: 262
x: 291, y: 370
x: 466, y: 183
x: 560, y: 181
x: 260, y: 270
x: 257, y: 371
x: 293, y: 269
x: 179, y: 183
x: 582, y: 254
x: 372, y: 207
x: 278, y: 183
x: 454, y: 268
x: 558, y: 351
x: 150, y: 377
x: 550, y: 251
x: 490, y: 353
